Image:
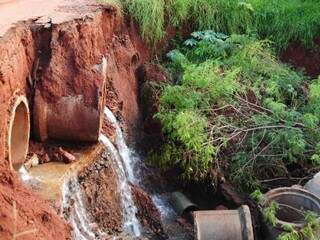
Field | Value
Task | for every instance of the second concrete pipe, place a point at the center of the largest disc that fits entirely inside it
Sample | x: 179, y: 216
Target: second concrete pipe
x: 224, y: 224
x: 69, y: 117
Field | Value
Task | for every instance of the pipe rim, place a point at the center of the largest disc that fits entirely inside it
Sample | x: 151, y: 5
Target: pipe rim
x: 20, y: 101
x: 272, y: 194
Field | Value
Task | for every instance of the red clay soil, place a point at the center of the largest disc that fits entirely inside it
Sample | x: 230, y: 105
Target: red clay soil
x: 60, y: 55
x: 304, y: 59
x: 100, y: 187
x: 25, y: 215
x: 58, y: 48
x: 148, y: 213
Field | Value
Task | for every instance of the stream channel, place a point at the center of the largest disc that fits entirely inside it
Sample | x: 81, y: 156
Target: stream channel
x: 130, y: 168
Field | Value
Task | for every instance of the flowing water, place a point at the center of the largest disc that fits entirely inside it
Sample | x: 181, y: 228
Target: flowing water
x: 131, y: 223
x: 125, y: 161
x: 128, y: 158
x: 73, y: 200
x: 78, y: 217
x: 24, y: 175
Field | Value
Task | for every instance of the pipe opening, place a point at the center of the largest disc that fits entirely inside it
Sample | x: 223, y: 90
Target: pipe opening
x: 293, y: 204
x: 292, y: 207
x: 19, y: 133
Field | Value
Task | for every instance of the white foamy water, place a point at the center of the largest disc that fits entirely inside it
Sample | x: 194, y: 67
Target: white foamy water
x: 124, y: 160
x: 130, y: 160
x: 121, y: 155
x: 131, y: 223
x: 163, y: 206
x: 125, y: 153
x: 72, y: 203
x: 24, y: 174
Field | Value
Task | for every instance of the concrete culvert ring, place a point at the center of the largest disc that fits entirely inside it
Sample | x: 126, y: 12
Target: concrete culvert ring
x: 18, y: 132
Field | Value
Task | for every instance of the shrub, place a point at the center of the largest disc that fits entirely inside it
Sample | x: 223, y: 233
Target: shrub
x: 236, y: 110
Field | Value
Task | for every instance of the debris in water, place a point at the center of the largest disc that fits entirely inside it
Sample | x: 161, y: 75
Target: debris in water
x: 32, y: 161
x: 67, y: 157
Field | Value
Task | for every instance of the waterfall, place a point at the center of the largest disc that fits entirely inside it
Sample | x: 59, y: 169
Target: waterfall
x: 72, y: 204
x: 124, y: 160
x: 130, y: 159
x: 125, y: 153
x: 24, y: 175
x: 122, y: 157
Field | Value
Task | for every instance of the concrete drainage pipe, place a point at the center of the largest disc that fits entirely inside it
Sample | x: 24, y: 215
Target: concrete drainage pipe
x: 71, y: 117
x: 68, y: 118
x: 224, y: 224
x: 18, y: 132
x: 292, y: 201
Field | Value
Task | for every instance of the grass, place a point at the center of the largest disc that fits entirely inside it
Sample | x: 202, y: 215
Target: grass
x: 281, y: 21
x: 284, y: 21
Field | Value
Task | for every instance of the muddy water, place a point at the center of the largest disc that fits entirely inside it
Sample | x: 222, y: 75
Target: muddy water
x: 61, y: 181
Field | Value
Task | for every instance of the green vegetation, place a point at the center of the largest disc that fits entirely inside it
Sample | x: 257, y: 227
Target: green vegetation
x: 308, y: 231
x: 281, y: 21
x: 290, y: 232
x: 233, y: 108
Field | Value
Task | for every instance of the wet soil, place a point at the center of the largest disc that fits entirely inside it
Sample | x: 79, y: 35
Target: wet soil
x: 25, y: 213
x: 302, y: 58
x: 100, y: 188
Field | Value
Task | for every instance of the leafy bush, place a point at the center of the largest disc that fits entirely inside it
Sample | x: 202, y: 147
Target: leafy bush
x: 308, y: 231
x: 281, y: 21
x: 236, y: 109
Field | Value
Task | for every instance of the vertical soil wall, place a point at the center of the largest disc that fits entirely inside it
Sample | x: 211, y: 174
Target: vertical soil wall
x: 90, y: 58
x: 71, y: 64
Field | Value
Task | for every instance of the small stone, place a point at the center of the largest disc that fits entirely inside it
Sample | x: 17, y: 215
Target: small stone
x: 68, y: 157
x: 94, y: 227
x: 32, y: 161
x: 45, y: 158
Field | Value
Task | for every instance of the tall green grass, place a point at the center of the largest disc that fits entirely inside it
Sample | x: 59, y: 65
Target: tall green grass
x: 284, y: 21
x: 281, y: 21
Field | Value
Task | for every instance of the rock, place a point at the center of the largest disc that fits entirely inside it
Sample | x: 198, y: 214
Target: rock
x: 147, y: 211
x: 32, y: 161
x: 45, y: 158
x: 68, y: 157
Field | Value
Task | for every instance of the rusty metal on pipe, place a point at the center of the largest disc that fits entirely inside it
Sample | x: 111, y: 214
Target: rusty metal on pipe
x: 224, y: 224
x: 182, y: 204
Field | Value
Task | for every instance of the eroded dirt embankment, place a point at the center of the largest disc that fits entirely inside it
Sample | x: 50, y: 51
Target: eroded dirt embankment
x: 61, y: 57
x: 302, y: 58
x: 25, y: 215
